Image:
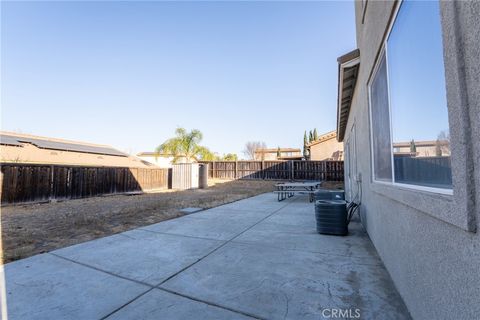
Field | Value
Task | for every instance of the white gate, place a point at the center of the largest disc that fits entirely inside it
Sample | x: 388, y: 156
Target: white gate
x: 185, y: 176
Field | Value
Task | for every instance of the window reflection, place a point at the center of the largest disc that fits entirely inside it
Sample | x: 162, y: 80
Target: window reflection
x: 381, y: 124
x: 416, y: 79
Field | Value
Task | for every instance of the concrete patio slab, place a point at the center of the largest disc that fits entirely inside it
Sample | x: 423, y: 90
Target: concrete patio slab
x: 231, y: 214
x: 140, y: 255
x: 266, y: 202
x: 255, y: 257
x: 158, y: 304
x: 48, y: 287
x: 222, y: 227
x: 289, y: 284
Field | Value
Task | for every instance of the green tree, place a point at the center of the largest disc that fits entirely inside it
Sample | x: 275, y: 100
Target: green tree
x: 230, y: 157
x: 279, y: 154
x: 413, y: 147
x: 305, y: 145
x: 315, y: 134
x: 310, y: 136
x: 185, y: 145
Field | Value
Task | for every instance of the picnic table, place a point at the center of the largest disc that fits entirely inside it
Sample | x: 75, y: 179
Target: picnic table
x: 289, y: 189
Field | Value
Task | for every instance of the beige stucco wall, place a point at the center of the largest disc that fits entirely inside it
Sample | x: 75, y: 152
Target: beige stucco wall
x: 421, y: 151
x: 427, y: 240
x: 330, y: 149
x: 272, y: 156
x: 161, y: 161
x: 266, y: 156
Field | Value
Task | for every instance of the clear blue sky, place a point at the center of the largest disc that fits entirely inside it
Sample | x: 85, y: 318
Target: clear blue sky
x: 128, y: 73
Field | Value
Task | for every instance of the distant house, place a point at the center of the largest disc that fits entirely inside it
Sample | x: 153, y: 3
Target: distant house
x: 326, y: 147
x: 161, y: 160
x: 278, y: 154
x: 422, y: 148
x: 23, y: 148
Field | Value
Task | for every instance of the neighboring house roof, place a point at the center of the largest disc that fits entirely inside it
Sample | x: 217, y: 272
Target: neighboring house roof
x: 271, y: 150
x: 324, y: 137
x: 348, y: 66
x: 16, y: 139
x: 153, y: 154
x: 428, y: 143
x: 24, y: 148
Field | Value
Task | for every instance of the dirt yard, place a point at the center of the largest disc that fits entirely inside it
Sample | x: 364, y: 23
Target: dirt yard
x: 36, y: 228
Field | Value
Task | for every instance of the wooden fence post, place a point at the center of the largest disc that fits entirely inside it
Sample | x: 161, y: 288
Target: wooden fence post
x: 291, y: 165
x: 52, y: 170
x: 262, y: 169
x: 236, y: 170
x: 213, y: 170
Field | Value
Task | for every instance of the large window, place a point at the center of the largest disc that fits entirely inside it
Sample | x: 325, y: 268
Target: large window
x: 382, y: 158
x: 408, y: 108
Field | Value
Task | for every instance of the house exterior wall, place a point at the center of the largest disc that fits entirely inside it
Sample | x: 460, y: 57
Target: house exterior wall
x: 272, y: 155
x: 330, y: 149
x: 428, y: 242
x: 161, y: 161
x: 420, y: 151
x: 267, y: 155
x: 429, y: 149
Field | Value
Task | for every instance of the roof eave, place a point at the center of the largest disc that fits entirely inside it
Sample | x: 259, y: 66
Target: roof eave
x: 348, y: 63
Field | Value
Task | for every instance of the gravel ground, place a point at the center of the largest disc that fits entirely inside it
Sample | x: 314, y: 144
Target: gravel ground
x: 36, y: 228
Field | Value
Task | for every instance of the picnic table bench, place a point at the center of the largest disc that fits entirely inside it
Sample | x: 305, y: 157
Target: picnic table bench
x: 289, y: 189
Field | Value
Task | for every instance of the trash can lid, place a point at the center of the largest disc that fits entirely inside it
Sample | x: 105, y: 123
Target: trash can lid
x: 328, y: 190
x: 330, y: 202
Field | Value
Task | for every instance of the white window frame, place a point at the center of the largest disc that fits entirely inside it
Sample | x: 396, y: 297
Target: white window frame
x: 346, y: 162
x: 353, y: 161
x: 350, y: 162
x: 384, y: 52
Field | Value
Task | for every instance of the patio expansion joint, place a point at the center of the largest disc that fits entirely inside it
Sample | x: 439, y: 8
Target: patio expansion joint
x: 158, y: 286
x: 180, y: 235
x: 150, y: 288
x: 126, y: 304
x: 222, y: 245
x: 101, y: 270
x: 212, y: 304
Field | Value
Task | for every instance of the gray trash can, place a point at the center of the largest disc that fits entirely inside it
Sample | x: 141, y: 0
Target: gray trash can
x: 203, y: 176
x: 331, y: 217
x: 328, y: 194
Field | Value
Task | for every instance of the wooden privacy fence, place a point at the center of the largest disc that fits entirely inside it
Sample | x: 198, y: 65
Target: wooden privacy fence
x: 429, y: 171
x: 31, y: 183
x: 276, y: 170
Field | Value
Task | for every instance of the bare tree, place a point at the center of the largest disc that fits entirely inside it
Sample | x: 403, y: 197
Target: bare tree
x: 442, y: 145
x: 251, y: 147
